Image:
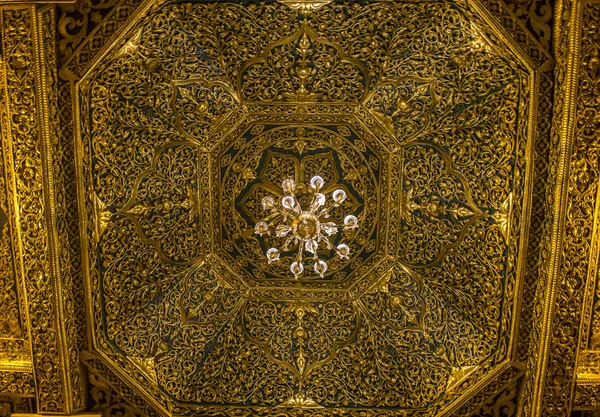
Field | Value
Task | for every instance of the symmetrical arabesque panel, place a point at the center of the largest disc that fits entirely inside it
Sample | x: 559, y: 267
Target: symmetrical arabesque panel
x: 418, y: 111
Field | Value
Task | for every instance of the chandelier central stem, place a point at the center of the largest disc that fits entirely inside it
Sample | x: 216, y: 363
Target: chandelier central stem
x: 307, y: 226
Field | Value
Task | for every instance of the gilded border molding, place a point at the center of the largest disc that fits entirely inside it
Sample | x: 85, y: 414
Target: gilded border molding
x: 68, y: 286
x: 30, y: 119
x: 587, y: 389
x: 15, y: 351
x: 568, y: 243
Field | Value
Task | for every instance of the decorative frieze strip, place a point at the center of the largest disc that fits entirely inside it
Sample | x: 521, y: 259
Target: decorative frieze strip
x: 17, y: 383
x: 29, y: 124
x: 69, y: 287
x: 587, y: 397
x: 575, y: 181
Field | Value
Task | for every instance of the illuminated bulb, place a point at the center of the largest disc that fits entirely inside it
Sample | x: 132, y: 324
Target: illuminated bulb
x: 288, y: 185
x: 343, y: 250
x: 268, y: 203
x: 297, y: 268
x: 339, y: 196
x: 350, y: 222
x: 288, y: 202
x: 273, y: 255
x: 320, y: 267
x: 319, y: 200
x: 316, y: 182
x: 261, y: 228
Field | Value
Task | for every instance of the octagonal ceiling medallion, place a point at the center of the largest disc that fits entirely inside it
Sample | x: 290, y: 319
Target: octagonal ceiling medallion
x: 417, y: 111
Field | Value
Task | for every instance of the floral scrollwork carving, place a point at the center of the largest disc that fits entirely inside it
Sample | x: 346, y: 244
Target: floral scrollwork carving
x: 404, y: 105
x: 202, y: 109
x: 108, y: 402
x: 303, y: 67
x: 200, y: 106
x: 299, y: 335
x: 502, y: 405
x: 437, y: 205
x: 537, y: 15
x: 77, y: 20
x: 396, y: 300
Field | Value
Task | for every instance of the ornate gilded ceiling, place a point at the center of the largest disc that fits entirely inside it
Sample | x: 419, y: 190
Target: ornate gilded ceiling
x: 139, y: 139
x: 419, y: 111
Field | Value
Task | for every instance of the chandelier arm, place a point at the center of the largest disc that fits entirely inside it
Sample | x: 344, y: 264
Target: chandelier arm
x: 313, y: 200
x: 330, y: 245
x: 297, y: 206
x: 316, y: 246
x: 287, y: 242
x: 273, y: 213
x: 326, y: 210
x: 280, y: 212
x: 324, y: 213
x: 318, y: 187
x: 300, y: 249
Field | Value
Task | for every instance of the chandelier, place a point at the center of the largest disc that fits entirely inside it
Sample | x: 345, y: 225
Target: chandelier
x: 307, y: 228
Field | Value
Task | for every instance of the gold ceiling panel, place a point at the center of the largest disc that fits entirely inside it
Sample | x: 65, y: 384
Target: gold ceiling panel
x: 462, y: 134
x: 420, y: 112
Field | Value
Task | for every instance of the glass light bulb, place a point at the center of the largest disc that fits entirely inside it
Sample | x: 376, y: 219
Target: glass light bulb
x: 311, y: 246
x: 319, y: 200
x: 339, y: 196
x: 320, y: 267
x: 288, y: 185
x: 273, y: 255
x: 329, y: 228
x: 288, y: 202
x: 261, y: 228
x: 297, y: 268
x: 343, y: 250
x: 268, y: 202
x: 351, y: 222
x: 316, y: 182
